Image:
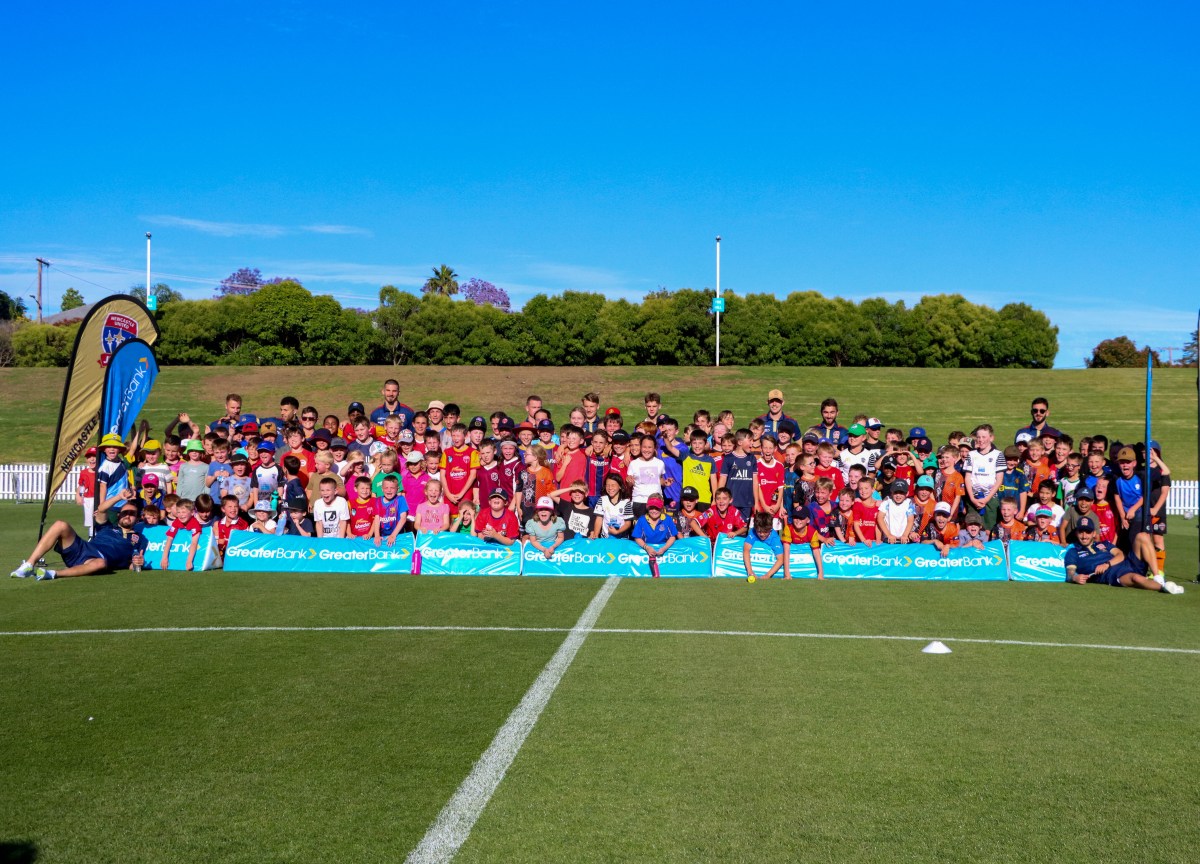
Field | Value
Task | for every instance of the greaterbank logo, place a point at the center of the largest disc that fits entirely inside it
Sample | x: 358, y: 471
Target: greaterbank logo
x: 315, y: 553
x: 874, y: 560
x: 582, y: 557
x: 489, y: 553
x: 1049, y: 563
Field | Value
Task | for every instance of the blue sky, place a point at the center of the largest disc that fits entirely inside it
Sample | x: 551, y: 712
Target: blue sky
x: 1043, y: 152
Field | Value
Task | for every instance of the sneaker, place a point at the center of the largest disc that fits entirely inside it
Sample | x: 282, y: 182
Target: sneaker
x: 23, y: 572
x: 1172, y: 588
x: 1159, y: 578
x: 43, y: 574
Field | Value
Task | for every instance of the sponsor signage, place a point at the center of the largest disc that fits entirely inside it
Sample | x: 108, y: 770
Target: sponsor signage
x: 689, y: 558
x: 914, y: 561
x: 249, y: 551
x: 206, y: 550
x: 449, y: 554
x: 728, y: 562
x: 1036, y: 562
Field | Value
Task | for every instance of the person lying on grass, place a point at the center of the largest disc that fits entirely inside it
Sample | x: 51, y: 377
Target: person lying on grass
x: 763, y: 534
x: 113, y: 547
x: 1100, y: 562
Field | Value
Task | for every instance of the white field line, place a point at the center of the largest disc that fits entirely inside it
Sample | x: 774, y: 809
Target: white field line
x: 636, y: 631
x: 453, y: 825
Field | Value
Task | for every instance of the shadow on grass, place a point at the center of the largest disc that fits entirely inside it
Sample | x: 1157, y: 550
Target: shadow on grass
x: 18, y: 852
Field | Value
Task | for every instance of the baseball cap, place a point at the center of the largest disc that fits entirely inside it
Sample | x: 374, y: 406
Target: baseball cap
x: 337, y: 442
x: 436, y: 403
x: 263, y: 507
x: 888, y: 461
x: 942, y: 507
x: 298, y: 502
x: 239, y: 459
x: 775, y: 394
x: 974, y: 518
x: 789, y: 427
x: 322, y: 435
x: 479, y: 423
x: 268, y: 428
x: 929, y: 462
x: 545, y: 426
x: 1085, y: 493
x: 194, y: 446
x: 543, y: 503
x: 917, y: 432
x: 801, y: 512
x: 91, y: 451
x: 612, y: 411
x: 874, y: 423
x: 898, y: 486
x: 151, y: 444
x: 247, y: 426
x: 1126, y: 454
x: 414, y: 457
x: 620, y: 437
x: 112, y: 440
x: 1051, y: 432
x: 502, y: 493
x: 1023, y: 437
x: 689, y: 493
x: 525, y: 424
x: 925, y: 482
x: 857, y: 429
x: 267, y: 447
x: 1044, y: 511
x: 664, y: 419
x: 356, y: 406
x: 1154, y: 445
x: 1012, y: 453
x: 654, y: 501
x: 405, y: 436
x: 506, y: 424
x: 149, y: 480
x: 812, y: 437
x: 1087, y: 523
x: 923, y: 445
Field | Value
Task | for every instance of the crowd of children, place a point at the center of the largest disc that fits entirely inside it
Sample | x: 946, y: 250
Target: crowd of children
x: 649, y: 478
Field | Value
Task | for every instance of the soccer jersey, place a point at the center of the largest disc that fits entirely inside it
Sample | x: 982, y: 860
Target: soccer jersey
x: 809, y: 535
x: 947, y: 535
x: 949, y: 485
x: 896, y: 515
x: 613, y: 516
x: 716, y: 523
x: 697, y: 473
x: 864, y: 457
x: 574, y: 465
x: 618, y: 465
x: 115, y: 476
x: 487, y: 479
x: 266, y: 480
x: 457, y: 464
x: 865, y: 512
x: 226, y: 526
x: 833, y: 473
x: 822, y: 518
x: 739, y: 474
x: 362, y: 516
x: 924, y: 510
x: 595, y: 469
x: 771, y: 541
x: 390, y: 513
x: 769, y: 480
x: 655, y: 535
x: 1129, y: 490
x: 506, y: 523
x: 981, y: 469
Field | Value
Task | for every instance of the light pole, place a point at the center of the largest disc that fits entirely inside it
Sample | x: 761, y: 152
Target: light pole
x: 151, y: 296
x: 718, y: 301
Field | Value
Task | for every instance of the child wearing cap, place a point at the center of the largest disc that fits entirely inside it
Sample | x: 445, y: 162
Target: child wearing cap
x: 941, y: 533
x: 266, y: 476
x: 972, y: 535
x: 498, y: 524
x: 1042, y: 530
x: 151, y: 463
x: 1130, y: 495
x: 85, y: 492
x: 799, y: 530
x: 689, y: 520
x: 923, y: 503
x: 655, y: 531
x: 896, y: 515
x: 763, y: 534
x: 546, y: 531
x: 1046, y: 493
x: 1013, y: 482
x: 240, y: 483
x: 193, y: 473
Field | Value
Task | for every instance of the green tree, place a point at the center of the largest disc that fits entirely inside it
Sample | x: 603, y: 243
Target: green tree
x: 11, y: 308
x: 1021, y: 338
x: 164, y: 292
x: 1120, y: 352
x: 948, y: 331
x: 43, y: 344
x: 392, y: 335
x: 444, y: 282
x: 890, y: 322
x: 1189, y: 351
x: 71, y: 299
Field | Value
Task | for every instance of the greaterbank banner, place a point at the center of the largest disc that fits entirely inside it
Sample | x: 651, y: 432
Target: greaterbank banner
x: 690, y: 558
x: 206, y: 549
x: 249, y: 551
x: 449, y: 554
x: 728, y: 563
x: 914, y: 561
x: 1036, y: 562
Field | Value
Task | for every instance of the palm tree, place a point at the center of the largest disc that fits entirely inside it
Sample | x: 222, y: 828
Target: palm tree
x: 444, y: 281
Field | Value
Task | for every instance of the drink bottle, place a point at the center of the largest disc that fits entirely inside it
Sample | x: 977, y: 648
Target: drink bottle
x: 416, y: 562
x: 654, y: 566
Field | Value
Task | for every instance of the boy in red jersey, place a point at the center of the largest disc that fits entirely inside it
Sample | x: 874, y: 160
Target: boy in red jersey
x: 570, y: 465
x: 362, y: 506
x: 231, y: 520
x: 866, y: 511
x: 185, y: 520
x: 459, y: 464
x: 722, y: 517
x: 768, y: 482
x: 800, y: 530
x: 826, y: 468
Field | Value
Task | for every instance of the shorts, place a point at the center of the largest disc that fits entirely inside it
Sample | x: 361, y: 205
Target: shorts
x: 1113, y: 575
x: 79, y: 552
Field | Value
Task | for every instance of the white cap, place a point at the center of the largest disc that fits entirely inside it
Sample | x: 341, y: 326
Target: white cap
x: 545, y: 503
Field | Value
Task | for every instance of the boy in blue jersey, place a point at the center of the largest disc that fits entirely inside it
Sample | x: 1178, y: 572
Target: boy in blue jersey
x: 737, y: 474
x: 1130, y: 495
x: 763, y: 534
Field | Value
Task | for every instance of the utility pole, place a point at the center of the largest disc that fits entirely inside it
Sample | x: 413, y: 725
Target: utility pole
x: 1170, y: 353
x: 41, y: 263
x: 151, y: 296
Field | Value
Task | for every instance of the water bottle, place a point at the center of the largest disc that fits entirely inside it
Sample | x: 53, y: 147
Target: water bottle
x: 416, y: 562
x: 275, y: 499
x: 654, y: 566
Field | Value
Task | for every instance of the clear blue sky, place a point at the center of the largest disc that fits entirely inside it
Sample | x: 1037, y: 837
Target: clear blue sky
x: 1037, y: 152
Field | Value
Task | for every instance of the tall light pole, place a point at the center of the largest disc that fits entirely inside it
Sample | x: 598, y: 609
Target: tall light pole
x: 151, y: 296
x: 719, y: 304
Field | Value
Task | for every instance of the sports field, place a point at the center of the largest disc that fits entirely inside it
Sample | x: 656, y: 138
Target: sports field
x: 1082, y: 401
x: 295, y: 717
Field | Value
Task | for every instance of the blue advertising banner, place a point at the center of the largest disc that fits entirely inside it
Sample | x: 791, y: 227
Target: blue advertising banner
x: 206, y: 549
x: 131, y: 373
x: 728, y: 562
x: 914, y: 561
x: 1036, y: 562
x: 449, y: 554
x: 686, y: 559
x: 249, y: 551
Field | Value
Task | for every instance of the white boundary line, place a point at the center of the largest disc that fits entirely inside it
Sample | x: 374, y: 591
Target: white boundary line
x: 453, y: 825
x: 636, y: 631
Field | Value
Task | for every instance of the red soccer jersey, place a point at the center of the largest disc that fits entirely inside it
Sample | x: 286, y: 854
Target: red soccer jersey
x: 225, y: 527
x: 769, y: 479
x: 618, y: 466
x: 457, y: 464
x: 487, y: 479
x: 834, y: 473
x: 908, y: 474
x: 715, y: 523
x: 864, y: 517
x: 362, y: 516
x: 87, y: 483
x: 506, y: 524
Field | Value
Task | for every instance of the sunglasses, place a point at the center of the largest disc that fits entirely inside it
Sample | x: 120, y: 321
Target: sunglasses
x: 311, y: 419
x: 1037, y: 411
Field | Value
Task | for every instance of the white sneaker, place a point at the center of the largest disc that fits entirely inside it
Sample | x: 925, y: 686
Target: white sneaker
x: 1172, y: 588
x: 43, y: 574
x: 23, y: 572
x: 1159, y: 578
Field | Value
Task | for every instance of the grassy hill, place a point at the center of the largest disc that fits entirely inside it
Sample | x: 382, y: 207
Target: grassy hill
x: 1082, y: 401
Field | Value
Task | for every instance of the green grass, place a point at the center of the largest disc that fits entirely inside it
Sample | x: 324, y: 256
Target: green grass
x: 303, y: 746
x: 1083, y: 402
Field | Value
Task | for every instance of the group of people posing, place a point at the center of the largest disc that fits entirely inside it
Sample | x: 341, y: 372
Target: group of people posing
x: 649, y: 478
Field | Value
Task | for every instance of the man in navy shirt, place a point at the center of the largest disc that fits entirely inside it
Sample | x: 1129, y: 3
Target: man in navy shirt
x: 112, y: 547
x: 392, y: 405
x: 1039, y: 425
x: 1100, y: 562
x: 775, y: 415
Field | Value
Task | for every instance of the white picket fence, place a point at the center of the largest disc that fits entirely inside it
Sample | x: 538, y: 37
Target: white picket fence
x: 27, y: 482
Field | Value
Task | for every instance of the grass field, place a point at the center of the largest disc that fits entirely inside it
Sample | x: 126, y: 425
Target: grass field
x: 1083, y: 402
x: 705, y: 743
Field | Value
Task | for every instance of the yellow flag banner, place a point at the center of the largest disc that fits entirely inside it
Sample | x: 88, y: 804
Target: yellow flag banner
x: 106, y: 326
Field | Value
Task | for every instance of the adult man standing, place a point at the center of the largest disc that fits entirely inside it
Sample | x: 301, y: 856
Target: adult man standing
x: 1039, y: 425
x: 533, y: 404
x: 828, y: 429
x: 774, y: 415
x: 392, y: 405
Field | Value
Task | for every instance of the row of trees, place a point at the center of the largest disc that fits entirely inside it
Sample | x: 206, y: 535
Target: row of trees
x: 279, y: 322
